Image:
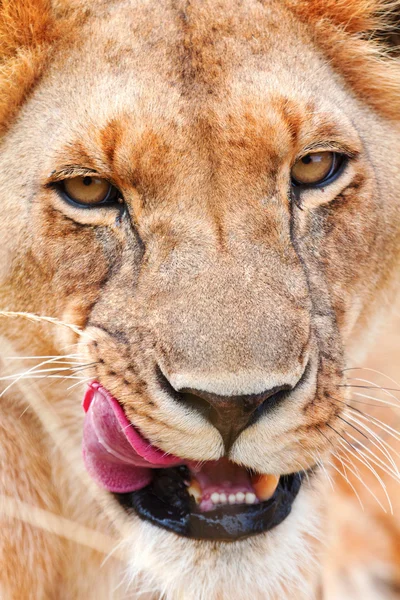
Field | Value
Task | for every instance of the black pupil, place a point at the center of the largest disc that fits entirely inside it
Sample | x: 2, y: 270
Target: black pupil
x: 306, y: 159
x: 87, y: 180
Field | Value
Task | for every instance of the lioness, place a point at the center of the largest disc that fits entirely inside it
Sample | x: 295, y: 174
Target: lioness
x: 200, y: 203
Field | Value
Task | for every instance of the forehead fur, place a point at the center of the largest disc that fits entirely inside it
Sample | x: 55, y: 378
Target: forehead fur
x: 347, y: 31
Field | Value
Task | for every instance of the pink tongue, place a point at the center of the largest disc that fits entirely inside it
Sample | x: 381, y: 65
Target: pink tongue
x: 115, y: 454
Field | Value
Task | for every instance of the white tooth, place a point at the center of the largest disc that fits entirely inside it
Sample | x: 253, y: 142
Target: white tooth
x: 240, y: 497
x: 223, y: 498
x: 232, y: 499
x: 215, y: 498
x: 250, y: 498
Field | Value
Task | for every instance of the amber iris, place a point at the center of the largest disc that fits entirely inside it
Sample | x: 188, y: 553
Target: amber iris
x: 315, y: 168
x: 90, y: 191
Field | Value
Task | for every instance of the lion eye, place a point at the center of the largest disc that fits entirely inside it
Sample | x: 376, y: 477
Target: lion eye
x: 316, y: 168
x: 90, y: 191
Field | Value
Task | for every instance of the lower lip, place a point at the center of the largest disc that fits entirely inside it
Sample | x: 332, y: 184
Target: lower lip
x: 225, y: 524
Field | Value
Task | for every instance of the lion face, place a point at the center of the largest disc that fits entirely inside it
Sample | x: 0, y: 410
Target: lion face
x: 202, y: 198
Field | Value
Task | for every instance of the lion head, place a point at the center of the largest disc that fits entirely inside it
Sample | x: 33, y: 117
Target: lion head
x: 209, y: 190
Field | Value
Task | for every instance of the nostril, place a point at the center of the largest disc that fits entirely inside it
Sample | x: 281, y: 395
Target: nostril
x: 191, y: 400
x: 229, y: 414
x: 274, y: 400
x: 164, y: 384
x: 198, y: 403
x: 246, y: 404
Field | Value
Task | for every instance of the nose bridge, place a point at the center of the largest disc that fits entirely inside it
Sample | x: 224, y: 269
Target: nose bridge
x: 236, y: 326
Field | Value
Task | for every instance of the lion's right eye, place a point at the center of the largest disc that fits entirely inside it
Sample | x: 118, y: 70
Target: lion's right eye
x: 90, y: 191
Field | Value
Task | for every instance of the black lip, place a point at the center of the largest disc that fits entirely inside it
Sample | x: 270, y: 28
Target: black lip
x: 167, y: 504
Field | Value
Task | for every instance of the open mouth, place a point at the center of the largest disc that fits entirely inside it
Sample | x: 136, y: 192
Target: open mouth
x: 216, y: 500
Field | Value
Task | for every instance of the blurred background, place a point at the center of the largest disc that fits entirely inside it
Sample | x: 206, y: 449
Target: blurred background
x: 364, y: 550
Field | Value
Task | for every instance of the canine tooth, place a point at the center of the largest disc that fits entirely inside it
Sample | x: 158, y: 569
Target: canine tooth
x: 215, y: 498
x: 250, y: 498
x: 194, y: 490
x: 265, y: 486
x: 223, y: 498
x: 240, y: 497
x: 232, y: 498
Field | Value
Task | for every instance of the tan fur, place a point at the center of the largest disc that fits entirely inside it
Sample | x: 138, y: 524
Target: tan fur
x: 213, y: 276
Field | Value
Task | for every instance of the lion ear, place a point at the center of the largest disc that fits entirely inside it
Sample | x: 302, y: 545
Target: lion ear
x: 27, y: 29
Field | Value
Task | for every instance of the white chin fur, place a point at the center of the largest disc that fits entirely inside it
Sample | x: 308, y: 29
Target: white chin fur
x: 279, y: 565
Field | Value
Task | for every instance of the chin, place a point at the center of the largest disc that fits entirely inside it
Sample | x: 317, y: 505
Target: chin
x: 280, y: 563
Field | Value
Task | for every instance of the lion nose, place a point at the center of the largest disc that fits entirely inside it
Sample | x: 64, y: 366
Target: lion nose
x: 232, y: 414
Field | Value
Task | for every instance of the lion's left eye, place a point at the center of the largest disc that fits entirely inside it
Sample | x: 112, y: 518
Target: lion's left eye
x: 90, y: 191
x: 316, y: 168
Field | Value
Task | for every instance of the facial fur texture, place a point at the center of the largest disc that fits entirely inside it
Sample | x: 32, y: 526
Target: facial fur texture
x: 213, y: 274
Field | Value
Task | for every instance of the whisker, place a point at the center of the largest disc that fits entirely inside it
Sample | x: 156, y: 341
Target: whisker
x: 84, y: 380
x: 31, y: 370
x: 372, y: 384
x: 380, y: 447
x: 368, y: 397
x: 366, y: 461
x: 378, y: 423
x: 382, y: 403
x: 360, y: 456
x: 336, y: 455
x: 27, y: 407
x: 36, y: 372
x: 360, y: 479
x: 345, y: 477
x: 383, y: 448
x: 323, y: 468
x: 350, y: 425
x: 368, y: 387
x: 351, y: 407
x: 371, y: 457
x: 51, y: 373
x: 58, y: 377
x: 50, y: 359
x: 34, y: 317
x: 112, y: 552
x: 373, y: 371
x: 87, y: 366
x: 386, y: 391
x: 51, y: 376
x: 374, y: 421
x: 60, y: 356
